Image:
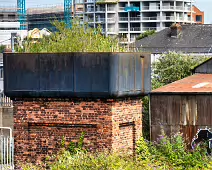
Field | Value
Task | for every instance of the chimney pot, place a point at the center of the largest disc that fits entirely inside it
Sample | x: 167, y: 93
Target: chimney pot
x: 176, y: 30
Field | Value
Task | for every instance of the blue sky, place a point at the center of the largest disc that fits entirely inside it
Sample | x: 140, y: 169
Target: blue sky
x: 204, y: 5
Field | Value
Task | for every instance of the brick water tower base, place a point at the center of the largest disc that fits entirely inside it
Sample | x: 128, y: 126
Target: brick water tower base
x: 41, y: 123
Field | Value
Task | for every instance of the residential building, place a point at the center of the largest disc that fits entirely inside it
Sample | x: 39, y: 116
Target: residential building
x: 187, y: 39
x: 197, y: 15
x: 130, y: 18
x: 8, y: 24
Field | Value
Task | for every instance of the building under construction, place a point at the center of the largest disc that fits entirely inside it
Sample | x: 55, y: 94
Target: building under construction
x: 43, y: 17
x: 18, y: 19
x: 9, y: 23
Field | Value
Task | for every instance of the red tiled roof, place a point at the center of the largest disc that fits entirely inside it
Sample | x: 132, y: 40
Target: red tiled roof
x: 197, y: 83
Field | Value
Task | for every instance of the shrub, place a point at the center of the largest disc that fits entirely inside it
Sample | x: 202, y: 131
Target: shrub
x: 80, y: 38
x: 172, y: 153
x: 2, y: 48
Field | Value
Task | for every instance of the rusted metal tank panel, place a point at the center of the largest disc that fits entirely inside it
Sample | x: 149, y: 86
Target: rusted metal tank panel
x: 77, y: 74
x: 132, y: 74
x: 27, y: 72
x: 91, y: 73
x: 56, y: 73
x: 147, y: 72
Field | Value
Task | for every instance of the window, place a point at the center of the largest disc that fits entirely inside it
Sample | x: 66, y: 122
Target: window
x: 199, y: 18
x: 11, y: 17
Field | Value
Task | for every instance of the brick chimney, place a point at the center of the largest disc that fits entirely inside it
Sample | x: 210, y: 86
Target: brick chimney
x: 176, y: 30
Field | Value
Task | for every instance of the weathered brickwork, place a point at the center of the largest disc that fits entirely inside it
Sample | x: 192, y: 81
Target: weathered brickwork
x: 127, y: 123
x: 40, y: 124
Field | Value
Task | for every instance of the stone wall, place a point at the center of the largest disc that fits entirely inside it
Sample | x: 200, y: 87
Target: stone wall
x: 40, y: 125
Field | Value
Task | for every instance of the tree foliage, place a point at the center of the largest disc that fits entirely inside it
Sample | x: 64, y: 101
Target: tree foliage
x: 146, y: 34
x: 80, y: 38
x: 172, y: 67
x: 2, y: 47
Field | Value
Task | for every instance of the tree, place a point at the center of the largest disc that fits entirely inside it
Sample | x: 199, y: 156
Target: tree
x: 2, y: 47
x: 80, y: 38
x: 172, y: 67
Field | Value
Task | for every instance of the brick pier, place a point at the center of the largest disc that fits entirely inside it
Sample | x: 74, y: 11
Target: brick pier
x: 40, y: 124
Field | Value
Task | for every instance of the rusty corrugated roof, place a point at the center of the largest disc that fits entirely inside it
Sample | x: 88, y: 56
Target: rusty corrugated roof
x: 197, y: 83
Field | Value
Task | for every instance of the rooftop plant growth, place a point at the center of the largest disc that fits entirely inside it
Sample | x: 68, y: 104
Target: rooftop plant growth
x: 80, y: 38
x: 146, y: 34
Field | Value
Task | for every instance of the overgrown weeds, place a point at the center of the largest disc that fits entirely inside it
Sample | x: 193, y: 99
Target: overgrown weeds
x: 167, y: 153
x: 173, y: 153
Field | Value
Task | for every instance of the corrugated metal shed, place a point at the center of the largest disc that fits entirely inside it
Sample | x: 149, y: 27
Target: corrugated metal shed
x: 205, y: 67
x: 96, y: 75
x: 185, y: 105
x: 197, y: 83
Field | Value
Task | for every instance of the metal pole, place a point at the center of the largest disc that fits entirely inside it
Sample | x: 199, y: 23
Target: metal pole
x: 12, y: 43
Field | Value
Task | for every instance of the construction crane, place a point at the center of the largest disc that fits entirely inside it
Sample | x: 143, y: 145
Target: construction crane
x: 21, y: 4
x: 21, y: 8
x: 67, y: 12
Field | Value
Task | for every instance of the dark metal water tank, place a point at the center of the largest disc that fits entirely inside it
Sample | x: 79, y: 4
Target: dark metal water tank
x: 97, y: 75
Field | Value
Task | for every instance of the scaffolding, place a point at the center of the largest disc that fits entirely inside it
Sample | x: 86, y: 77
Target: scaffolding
x: 40, y: 16
x: 21, y: 4
x: 43, y: 16
x: 67, y: 12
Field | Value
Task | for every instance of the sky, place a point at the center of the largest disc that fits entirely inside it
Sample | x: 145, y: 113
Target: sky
x: 203, y: 5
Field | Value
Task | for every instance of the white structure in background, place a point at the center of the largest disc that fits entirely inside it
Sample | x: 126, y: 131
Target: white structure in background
x: 148, y: 15
x: 36, y: 33
x: 9, y: 24
x: 1, y: 74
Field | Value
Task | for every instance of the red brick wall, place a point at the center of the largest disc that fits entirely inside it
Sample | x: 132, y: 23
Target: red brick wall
x: 127, y: 123
x: 40, y: 124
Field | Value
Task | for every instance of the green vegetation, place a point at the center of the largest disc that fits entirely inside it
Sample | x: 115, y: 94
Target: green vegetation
x: 2, y: 47
x: 146, y: 34
x: 80, y: 38
x: 165, y: 154
x: 172, y: 67
x: 172, y: 153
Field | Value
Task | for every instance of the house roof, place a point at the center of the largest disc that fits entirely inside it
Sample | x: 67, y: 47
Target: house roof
x: 194, y: 39
x: 197, y: 83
